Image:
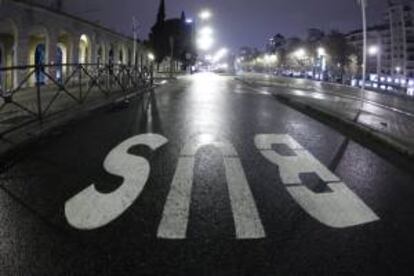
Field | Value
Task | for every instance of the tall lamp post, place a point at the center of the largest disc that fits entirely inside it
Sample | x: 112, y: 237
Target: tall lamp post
x: 135, y: 35
x: 204, y: 35
x: 375, y: 51
x: 363, y: 4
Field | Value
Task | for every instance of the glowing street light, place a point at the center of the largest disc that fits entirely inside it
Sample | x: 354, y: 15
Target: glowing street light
x: 206, y: 31
x: 270, y: 58
x: 220, y: 54
x: 205, y: 43
x: 373, y: 50
x: 300, y: 53
x: 151, y: 57
x: 205, y: 15
x: 205, y: 40
x: 321, y: 52
x: 273, y: 58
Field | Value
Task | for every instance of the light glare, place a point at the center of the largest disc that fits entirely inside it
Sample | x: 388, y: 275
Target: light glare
x: 205, y: 15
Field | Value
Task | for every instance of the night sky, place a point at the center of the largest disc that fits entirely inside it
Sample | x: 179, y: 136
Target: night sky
x: 237, y: 22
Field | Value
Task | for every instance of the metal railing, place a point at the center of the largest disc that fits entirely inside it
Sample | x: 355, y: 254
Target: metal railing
x: 46, y: 90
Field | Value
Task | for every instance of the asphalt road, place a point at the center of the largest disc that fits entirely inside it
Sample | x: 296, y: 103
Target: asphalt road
x: 204, y: 177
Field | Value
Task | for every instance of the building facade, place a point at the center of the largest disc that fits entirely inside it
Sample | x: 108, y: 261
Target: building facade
x: 34, y: 32
x: 390, y: 45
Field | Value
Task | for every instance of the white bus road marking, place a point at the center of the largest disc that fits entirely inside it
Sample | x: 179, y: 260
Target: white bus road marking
x: 339, y: 209
x: 174, y: 221
x: 91, y: 209
x: 176, y: 210
x: 246, y: 218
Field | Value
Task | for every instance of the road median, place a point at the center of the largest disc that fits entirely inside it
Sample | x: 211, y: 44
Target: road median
x: 384, y: 130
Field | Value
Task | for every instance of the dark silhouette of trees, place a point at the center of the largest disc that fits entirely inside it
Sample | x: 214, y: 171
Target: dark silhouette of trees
x: 340, y: 52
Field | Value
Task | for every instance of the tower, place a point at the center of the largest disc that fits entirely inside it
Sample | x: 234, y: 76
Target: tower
x: 183, y: 17
x: 161, y: 13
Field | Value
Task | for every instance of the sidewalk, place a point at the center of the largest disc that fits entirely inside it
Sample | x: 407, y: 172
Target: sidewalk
x: 63, y: 112
x: 383, y: 117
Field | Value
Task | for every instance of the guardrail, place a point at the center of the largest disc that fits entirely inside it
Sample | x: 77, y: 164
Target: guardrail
x: 46, y: 90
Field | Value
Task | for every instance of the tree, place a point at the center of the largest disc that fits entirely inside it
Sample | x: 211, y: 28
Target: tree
x: 340, y: 52
x: 276, y: 43
x: 314, y: 40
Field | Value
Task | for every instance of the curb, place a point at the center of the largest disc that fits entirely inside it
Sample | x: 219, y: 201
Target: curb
x: 374, y: 140
x: 329, y: 118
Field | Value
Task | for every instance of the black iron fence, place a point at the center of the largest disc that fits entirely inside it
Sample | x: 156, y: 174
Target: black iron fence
x: 46, y: 90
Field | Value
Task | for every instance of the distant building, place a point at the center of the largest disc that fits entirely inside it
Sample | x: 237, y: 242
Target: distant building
x: 173, y: 36
x: 377, y: 36
x: 394, y: 41
x: 38, y: 32
x: 401, y: 24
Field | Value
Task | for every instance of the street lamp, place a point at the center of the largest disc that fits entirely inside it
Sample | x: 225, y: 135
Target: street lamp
x: 321, y: 62
x: 374, y: 50
x: 205, y: 15
x: 321, y: 52
x: 363, y: 4
x: 205, y: 40
x: 269, y: 60
x: 220, y: 54
x: 398, y: 69
x: 205, y: 43
x: 151, y: 57
x: 206, y: 31
x: 300, y: 53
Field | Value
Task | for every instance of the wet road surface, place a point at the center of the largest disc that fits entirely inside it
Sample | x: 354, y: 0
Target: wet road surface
x: 204, y: 177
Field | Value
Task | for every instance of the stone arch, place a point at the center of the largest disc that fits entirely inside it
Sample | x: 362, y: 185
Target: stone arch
x: 111, y: 54
x: 8, y: 56
x: 121, y: 54
x: 85, y: 49
x: 38, y: 52
x: 101, y: 51
x: 130, y: 57
x: 64, y: 54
